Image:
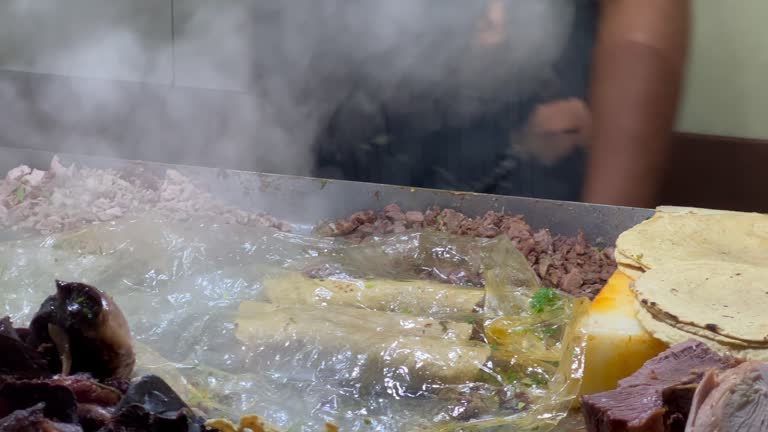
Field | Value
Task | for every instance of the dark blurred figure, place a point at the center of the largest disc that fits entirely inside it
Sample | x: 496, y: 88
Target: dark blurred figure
x: 578, y: 108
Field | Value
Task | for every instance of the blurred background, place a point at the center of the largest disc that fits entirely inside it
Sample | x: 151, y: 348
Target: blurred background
x: 141, y: 71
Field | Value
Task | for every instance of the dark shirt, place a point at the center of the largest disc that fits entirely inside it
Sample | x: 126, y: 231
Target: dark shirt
x: 447, y: 131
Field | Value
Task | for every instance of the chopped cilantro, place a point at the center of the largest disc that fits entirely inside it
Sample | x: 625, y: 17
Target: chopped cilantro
x: 368, y: 285
x: 471, y: 321
x: 494, y: 347
x: 511, y: 377
x: 367, y: 421
x: 534, y: 381
x: 21, y: 193
x: 544, y: 299
x: 549, y: 331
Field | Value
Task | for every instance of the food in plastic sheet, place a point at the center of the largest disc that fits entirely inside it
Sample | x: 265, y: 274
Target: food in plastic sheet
x: 181, y: 284
x: 414, y: 296
x: 391, y: 347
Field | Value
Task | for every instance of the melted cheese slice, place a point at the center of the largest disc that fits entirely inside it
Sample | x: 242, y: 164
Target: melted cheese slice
x: 617, y: 344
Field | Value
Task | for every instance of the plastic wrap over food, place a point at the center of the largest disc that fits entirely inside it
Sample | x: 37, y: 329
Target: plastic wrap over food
x: 418, y: 331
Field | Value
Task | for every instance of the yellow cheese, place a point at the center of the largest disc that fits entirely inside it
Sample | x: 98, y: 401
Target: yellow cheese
x: 617, y: 344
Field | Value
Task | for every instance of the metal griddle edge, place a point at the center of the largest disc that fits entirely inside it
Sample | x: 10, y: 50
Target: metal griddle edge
x: 304, y: 201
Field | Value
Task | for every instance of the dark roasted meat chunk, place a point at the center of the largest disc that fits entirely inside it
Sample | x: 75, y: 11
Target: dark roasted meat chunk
x: 86, y: 330
x: 59, y: 402
x: 657, y: 398
x: 151, y: 405
x: 81, y: 335
x: 18, y: 358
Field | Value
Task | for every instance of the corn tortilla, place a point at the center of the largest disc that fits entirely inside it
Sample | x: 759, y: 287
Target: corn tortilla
x: 671, y: 335
x: 725, y: 298
x: 687, y: 234
x: 631, y: 270
x: 704, y: 334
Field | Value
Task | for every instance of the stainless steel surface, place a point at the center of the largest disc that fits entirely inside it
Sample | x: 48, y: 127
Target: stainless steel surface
x: 306, y: 201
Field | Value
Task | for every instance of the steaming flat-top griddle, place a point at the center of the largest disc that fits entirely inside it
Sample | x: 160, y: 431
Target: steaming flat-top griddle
x: 303, y: 202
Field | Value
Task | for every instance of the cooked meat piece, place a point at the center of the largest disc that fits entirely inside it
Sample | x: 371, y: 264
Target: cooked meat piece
x: 93, y: 417
x: 150, y: 404
x: 23, y: 420
x: 155, y: 395
x: 89, y: 391
x: 735, y: 400
x: 138, y: 175
x: 59, y: 402
x: 570, y: 264
x: 573, y: 281
x: 87, y: 330
x: 80, y: 404
x: 17, y: 358
x: 138, y: 418
x: 468, y: 402
x: 512, y: 400
x: 414, y: 217
x: 393, y: 213
x: 119, y: 384
x: 33, y: 420
x: 655, y: 398
x: 678, y: 401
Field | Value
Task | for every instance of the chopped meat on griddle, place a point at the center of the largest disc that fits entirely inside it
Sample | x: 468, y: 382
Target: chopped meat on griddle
x: 65, y: 198
x: 570, y: 264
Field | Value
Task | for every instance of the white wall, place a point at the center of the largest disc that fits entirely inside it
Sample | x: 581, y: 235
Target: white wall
x: 727, y: 86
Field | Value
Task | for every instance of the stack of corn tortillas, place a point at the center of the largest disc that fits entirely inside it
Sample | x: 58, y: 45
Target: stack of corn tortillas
x: 701, y: 274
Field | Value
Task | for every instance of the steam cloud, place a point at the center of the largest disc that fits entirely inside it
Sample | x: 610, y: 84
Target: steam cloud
x: 250, y: 84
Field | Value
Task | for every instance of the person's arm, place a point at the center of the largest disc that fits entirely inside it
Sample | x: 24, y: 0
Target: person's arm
x: 637, y: 73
